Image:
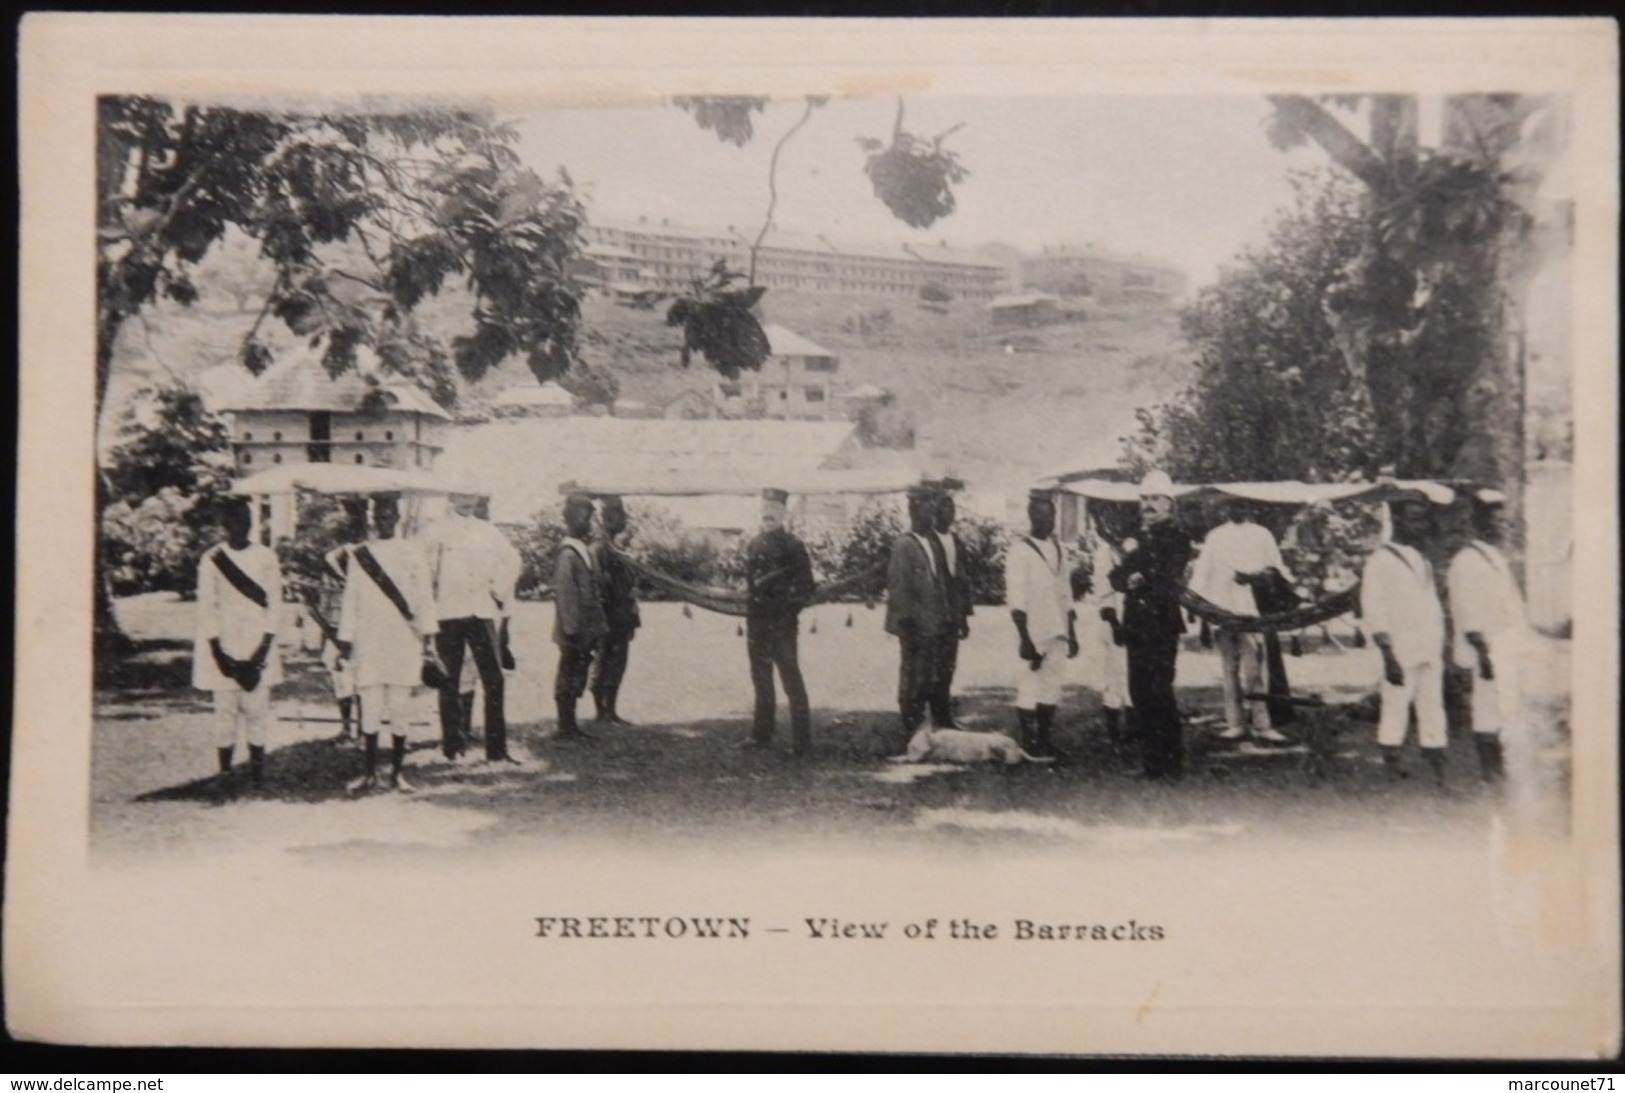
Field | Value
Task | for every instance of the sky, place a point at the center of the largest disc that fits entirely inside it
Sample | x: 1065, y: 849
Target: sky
x: 1190, y: 181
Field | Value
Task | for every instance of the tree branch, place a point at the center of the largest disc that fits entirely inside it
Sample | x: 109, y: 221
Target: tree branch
x: 773, y: 184
x: 1347, y: 150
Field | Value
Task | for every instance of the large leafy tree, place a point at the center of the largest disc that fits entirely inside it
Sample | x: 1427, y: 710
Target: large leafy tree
x: 1270, y: 398
x: 1425, y: 312
x: 358, y: 216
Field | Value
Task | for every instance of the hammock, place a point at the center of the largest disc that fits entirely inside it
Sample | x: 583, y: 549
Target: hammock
x: 731, y: 601
x: 1309, y: 614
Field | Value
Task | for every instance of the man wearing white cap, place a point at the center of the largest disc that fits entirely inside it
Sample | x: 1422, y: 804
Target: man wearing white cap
x: 1038, y: 591
x: 1399, y: 604
x: 1149, y: 577
x: 1489, y: 619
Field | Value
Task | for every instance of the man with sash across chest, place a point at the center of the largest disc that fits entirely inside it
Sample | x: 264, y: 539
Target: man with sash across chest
x: 1038, y: 590
x: 1149, y: 576
x: 960, y: 609
x: 239, y: 588
x: 578, y: 615
x: 474, y: 578
x: 1490, y: 623
x: 387, y: 626
x: 1399, y: 604
x: 917, y: 609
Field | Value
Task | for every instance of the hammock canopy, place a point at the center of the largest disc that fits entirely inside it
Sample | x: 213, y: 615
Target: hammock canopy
x: 1271, y: 493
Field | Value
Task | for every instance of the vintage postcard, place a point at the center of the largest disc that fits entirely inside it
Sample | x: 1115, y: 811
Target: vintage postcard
x: 1053, y: 537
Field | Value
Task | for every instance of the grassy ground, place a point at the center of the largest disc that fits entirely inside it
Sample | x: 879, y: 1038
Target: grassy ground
x: 678, y: 776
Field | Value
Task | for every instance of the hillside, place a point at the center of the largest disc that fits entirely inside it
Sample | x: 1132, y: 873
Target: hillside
x: 995, y: 418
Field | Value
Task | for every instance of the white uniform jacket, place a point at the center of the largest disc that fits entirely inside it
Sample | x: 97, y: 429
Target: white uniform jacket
x: 386, y: 648
x: 1036, y: 582
x: 224, y: 612
x: 474, y: 569
x: 1229, y: 549
x: 1398, y: 597
x: 1484, y: 598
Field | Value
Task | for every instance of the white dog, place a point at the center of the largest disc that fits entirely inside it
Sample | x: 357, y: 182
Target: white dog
x: 930, y: 745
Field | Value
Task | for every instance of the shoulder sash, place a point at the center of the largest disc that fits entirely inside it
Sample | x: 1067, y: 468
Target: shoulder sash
x: 369, y: 564
x: 241, y: 581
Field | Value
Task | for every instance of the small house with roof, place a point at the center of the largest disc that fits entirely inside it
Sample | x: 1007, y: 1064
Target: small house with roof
x: 796, y: 382
x: 296, y: 412
x: 530, y: 398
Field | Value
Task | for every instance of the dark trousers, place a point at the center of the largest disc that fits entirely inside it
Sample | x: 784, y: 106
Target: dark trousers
x: 947, y: 661
x: 609, y: 666
x: 1151, y: 689
x: 770, y: 643
x: 575, y: 665
x: 916, y: 676
x: 479, y: 635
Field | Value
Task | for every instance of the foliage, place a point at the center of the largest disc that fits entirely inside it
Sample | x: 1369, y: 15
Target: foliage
x: 885, y: 425
x: 933, y: 292
x: 984, y: 541
x: 874, y: 323
x: 865, y: 544
x: 593, y: 385
x: 728, y: 116
x: 168, y: 438
x: 164, y: 477
x: 323, y: 524
x: 538, y: 541
x: 717, y: 323
x: 1269, y: 400
x: 913, y: 175
x: 152, y: 543
x: 360, y: 215
x: 1420, y: 311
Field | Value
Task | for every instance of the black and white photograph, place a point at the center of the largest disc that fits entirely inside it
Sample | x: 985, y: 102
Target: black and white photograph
x: 1060, y: 538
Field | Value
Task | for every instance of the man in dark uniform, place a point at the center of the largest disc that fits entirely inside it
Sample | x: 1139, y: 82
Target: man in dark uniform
x: 1149, y: 576
x: 959, y: 610
x: 618, y: 587
x: 917, y: 608
x: 778, y: 578
x: 578, y: 614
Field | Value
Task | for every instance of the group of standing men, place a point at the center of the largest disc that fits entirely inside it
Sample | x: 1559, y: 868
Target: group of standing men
x: 411, y: 611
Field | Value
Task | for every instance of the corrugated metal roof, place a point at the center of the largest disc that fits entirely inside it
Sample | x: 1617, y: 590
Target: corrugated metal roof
x: 523, y: 463
x: 787, y: 343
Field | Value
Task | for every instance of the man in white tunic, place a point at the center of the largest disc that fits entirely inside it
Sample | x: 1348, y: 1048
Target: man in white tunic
x: 387, y: 624
x: 473, y: 584
x: 1399, y: 604
x: 1038, y: 590
x: 1235, y: 555
x: 1490, y: 623
x: 239, y: 588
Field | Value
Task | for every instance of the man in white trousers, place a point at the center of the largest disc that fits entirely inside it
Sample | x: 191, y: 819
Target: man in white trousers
x: 1235, y: 555
x: 1490, y: 623
x: 239, y: 590
x: 1399, y: 604
x: 387, y: 626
